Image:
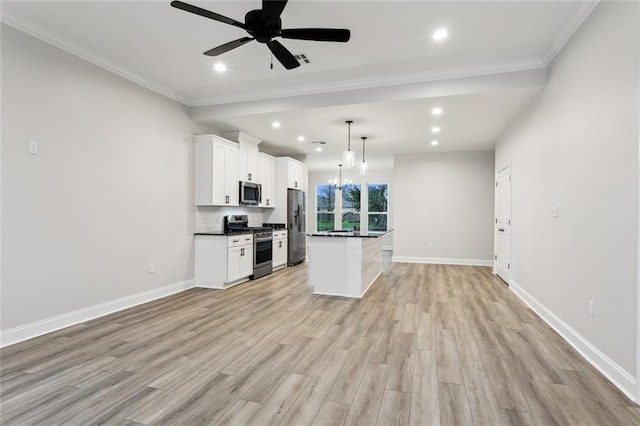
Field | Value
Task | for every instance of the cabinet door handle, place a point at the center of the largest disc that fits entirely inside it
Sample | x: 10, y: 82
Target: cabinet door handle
x: 280, y: 244
x: 226, y: 199
x: 267, y: 201
x: 295, y: 184
x: 249, y: 176
x: 241, y: 252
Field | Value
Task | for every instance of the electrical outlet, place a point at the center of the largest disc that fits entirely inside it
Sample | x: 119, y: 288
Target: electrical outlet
x: 590, y: 308
x: 554, y: 211
x: 151, y: 268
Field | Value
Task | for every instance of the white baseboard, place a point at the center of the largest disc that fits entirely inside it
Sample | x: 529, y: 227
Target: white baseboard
x: 617, y: 375
x: 38, y: 328
x: 387, y: 248
x: 443, y: 261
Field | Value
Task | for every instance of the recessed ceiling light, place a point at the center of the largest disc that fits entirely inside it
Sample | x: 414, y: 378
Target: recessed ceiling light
x: 275, y: 124
x: 435, y: 129
x: 436, y: 111
x: 319, y: 149
x: 434, y: 143
x: 440, y: 34
x: 220, y: 67
x: 300, y: 138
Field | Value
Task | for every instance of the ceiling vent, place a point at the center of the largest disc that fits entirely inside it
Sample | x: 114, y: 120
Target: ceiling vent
x: 302, y: 58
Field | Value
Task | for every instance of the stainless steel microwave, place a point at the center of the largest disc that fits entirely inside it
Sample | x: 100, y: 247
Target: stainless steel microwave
x: 250, y: 193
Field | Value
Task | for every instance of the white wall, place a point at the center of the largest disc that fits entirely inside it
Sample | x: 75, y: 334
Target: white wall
x: 446, y: 199
x: 577, y: 148
x: 109, y: 193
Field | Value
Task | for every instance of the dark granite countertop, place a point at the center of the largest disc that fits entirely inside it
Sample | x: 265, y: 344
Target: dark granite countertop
x: 350, y: 234
x: 223, y: 233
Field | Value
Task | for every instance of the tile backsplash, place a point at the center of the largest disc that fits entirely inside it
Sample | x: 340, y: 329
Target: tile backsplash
x: 210, y: 219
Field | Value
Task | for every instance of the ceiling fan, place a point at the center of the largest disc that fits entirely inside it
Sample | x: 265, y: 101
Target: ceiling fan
x: 263, y: 25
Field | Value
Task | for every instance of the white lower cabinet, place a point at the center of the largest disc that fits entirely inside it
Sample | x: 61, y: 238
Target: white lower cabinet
x: 279, y: 249
x: 240, y: 263
x: 223, y: 261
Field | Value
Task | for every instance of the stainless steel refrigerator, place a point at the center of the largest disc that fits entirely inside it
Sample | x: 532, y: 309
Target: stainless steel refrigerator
x: 296, y: 225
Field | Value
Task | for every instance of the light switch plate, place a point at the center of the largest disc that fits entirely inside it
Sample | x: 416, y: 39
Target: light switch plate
x: 33, y: 148
x: 554, y: 211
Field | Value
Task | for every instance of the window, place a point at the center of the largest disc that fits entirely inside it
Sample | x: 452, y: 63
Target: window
x: 326, y: 201
x: 357, y: 207
x: 351, y: 206
x: 378, y: 206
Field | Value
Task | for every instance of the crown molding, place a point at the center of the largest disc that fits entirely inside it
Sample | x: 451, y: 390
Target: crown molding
x: 570, y: 28
x: 376, y: 82
x: 75, y: 49
x: 61, y: 42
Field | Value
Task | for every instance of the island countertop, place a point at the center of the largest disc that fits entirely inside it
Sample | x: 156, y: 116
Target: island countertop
x: 350, y: 234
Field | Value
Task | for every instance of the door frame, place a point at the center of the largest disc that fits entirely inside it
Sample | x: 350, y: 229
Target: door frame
x: 495, y: 211
x: 637, y: 395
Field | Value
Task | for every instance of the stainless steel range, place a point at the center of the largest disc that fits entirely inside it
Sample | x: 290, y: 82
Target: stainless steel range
x: 262, y: 243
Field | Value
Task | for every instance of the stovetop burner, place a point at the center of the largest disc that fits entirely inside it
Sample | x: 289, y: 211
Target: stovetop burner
x: 239, y: 224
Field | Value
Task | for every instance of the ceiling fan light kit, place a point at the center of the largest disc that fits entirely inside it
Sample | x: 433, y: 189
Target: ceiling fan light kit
x: 264, y: 25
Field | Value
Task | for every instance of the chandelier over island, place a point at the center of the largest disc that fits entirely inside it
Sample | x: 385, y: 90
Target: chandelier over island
x: 338, y: 184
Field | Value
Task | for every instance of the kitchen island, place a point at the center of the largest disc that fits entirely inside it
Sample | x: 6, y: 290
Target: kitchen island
x: 344, y: 263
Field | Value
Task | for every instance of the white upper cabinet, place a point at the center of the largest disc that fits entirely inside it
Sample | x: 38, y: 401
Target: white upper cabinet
x: 248, y: 163
x: 216, y: 171
x: 267, y: 177
x: 295, y: 174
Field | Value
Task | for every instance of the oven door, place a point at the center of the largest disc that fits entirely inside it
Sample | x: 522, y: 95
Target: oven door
x: 262, y: 251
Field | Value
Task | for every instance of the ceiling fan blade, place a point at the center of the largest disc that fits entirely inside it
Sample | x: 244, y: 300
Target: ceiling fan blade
x: 273, y: 8
x: 228, y: 46
x: 283, y: 55
x: 317, y: 34
x: 207, y: 14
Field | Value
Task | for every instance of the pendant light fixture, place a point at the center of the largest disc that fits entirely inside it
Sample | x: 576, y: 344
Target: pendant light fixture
x: 363, y: 165
x: 349, y: 157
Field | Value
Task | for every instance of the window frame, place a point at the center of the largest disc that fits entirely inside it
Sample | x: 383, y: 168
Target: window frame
x: 325, y: 212
x: 385, y: 213
x: 364, y: 213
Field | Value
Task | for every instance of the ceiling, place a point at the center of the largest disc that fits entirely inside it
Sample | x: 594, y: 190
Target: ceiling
x: 386, y: 78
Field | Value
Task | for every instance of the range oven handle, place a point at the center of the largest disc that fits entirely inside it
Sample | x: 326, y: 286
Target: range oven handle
x: 260, y: 240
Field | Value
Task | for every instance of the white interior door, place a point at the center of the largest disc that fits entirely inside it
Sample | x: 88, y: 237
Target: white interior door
x: 502, y: 257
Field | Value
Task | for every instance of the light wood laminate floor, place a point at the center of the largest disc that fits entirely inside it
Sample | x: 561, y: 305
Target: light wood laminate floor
x: 429, y: 344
